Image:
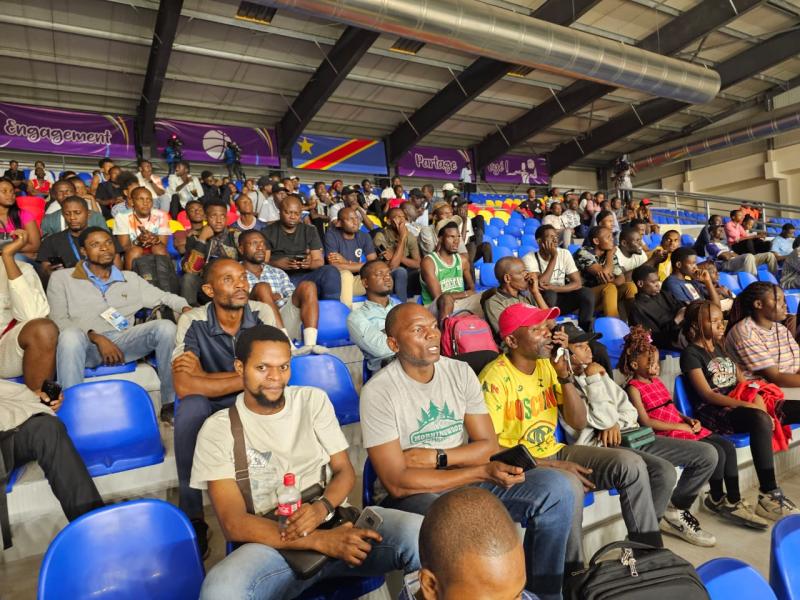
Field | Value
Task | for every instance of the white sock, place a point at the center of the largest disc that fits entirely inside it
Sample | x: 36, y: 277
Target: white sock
x: 309, y: 336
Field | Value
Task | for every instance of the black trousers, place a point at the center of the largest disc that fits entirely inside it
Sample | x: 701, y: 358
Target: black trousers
x: 759, y: 425
x: 43, y: 439
x: 581, y: 300
x: 751, y: 246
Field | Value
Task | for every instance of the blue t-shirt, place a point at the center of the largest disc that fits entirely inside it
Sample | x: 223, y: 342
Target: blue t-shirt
x: 355, y: 250
x: 685, y: 290
x: 782, y: 246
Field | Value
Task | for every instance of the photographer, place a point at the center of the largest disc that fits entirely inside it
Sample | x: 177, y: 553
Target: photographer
x: 173, y: 153
x: 233, y: 160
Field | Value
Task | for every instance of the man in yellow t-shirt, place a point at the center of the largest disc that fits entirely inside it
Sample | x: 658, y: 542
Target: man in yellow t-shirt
x: 525, y: 389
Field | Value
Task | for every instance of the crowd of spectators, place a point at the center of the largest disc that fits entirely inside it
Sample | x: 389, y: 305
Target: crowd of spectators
x: 103, y: 275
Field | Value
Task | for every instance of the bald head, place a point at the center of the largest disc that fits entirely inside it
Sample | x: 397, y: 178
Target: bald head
x: 400, y: 314
x: 456, y: 546
x: 505, y: 265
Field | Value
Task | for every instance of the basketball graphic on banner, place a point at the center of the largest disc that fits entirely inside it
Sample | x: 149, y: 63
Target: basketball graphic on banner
x: 214, y: 142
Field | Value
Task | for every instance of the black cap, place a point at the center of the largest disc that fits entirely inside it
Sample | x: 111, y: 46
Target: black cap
x: 577, y: 335
x: 348, y: 189
x: 278, y: 187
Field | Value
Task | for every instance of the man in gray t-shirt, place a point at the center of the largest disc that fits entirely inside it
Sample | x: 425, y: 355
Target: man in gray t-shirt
x: 425, y: 426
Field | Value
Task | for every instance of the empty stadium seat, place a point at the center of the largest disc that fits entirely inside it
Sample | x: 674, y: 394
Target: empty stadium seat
x: 524, y: 250
x: 767, y: 276
x: 730, y: 281
x: 784, y: 575
x: 329, y: 373
x: 487, y: 278
x: 508, y: 240
x: 687, y: 241
x: 138, y: 549
x: 727, y: 578
x: 497, y: 222
x: 746, y: 279
x: 113, y: 426
x: 14, y: 476
x: 613, y: 330
x: 332, y: 327
x: 501, y: 252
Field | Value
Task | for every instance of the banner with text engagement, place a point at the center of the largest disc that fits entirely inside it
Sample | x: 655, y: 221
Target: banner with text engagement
x: 348, y: 155
x: 58, y: 131
x: 434, y: 163
x: 525, y: 170
x: 207, y: 143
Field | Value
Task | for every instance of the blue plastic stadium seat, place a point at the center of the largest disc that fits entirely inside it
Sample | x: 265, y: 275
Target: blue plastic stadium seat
x: 613, y: 330
x: 492, y: 232
x: 523, y: 250
x: 727, y: 578
x: 113, y: 426
x: 730, y: 281
x: 497, y: 222
x: 784, y: 576
x: 487, y: 278
x: 342, y: 588
x: 332, y: 325
x: 368, y: 488
x: 681, y: 396
x: 767, y: 276
x: 329, y: 373
x: 501, y: 252
x: 508, y: 240
x: 138, y: 549
x: 746, y: 279
x: 792, y: 303
x: 14, y: 476
x: 687, y: 241
x: 101, y: 370
x: 573, y: 248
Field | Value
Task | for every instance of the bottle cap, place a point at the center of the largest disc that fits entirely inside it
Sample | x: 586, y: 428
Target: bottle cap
x: 288, y: 480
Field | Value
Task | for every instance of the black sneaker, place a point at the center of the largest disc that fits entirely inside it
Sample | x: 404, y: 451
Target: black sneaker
x: 201, y: 531
x: 167, y: 415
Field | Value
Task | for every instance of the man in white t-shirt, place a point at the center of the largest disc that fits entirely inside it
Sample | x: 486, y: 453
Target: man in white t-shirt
x: 184, y: 184
x: 427, y: 430
x: 630, y: 254
x: 287, y: 429
x: 559, y: 280
x: 388, y: 192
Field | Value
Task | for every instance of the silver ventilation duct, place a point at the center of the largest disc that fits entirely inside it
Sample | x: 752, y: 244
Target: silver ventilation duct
x: 484, y: 30
x: 750, y: 133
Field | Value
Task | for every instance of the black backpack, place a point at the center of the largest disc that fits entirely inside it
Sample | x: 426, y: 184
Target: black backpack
x: 645, y: 574
x: 158, y: 271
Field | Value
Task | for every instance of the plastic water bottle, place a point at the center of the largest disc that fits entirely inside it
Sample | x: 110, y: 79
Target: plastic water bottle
x: 289, y: 500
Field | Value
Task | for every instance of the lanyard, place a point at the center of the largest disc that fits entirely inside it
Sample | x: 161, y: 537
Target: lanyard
x: 74, y: 248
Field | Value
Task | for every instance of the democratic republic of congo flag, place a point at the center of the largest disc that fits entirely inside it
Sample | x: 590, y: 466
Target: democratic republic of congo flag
x: 328, y: 153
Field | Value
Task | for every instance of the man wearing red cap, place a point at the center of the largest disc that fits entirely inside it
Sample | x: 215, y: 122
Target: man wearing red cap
x: 426, y: 429
x: 526, y: 388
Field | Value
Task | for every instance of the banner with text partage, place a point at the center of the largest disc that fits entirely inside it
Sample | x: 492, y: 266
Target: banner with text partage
x: 525, y: 170
x: 436, y: 163
x: 57, y: 131
x: 207, y: 143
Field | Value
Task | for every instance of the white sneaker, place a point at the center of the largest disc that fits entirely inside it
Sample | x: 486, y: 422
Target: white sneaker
x: 317, y: 349
x: 301, y: 350
x: 683, y: 524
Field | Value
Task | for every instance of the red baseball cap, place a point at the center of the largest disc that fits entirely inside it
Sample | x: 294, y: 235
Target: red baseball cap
x: 524, y: 315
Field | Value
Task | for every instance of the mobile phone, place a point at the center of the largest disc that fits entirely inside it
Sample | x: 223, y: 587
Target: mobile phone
x: 53, y: 391
x: 518, y: 456
x: 566, y: 354
x: 56, y: 262
x: 369, y: 519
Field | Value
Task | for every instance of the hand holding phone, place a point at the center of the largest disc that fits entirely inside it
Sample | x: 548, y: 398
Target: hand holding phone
x: 369, y: 519
x: 518, y: 456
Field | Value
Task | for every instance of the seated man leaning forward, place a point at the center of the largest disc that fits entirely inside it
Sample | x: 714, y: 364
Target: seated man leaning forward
x: 447, y: 282
x: 94, y: 305
x: 366, y: 323
x: 287, y: 429
x: 427, y: 431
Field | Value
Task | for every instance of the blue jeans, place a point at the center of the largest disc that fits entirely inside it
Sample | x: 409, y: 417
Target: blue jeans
x: 75, y: 352
x: 192, y: 412
x: 327, y: 278
x: 259, y: 572
x: 544, y: 505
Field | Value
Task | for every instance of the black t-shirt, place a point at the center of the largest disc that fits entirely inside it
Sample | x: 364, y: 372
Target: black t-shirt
x: 14, y: 175
x: 282, y: 244
x: 107, y: 190
x: 718, y: 368
x: 657, y: 313
x: 57, y: 244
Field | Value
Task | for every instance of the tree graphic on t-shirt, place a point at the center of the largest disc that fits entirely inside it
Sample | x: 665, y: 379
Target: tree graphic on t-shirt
x: 436, y: 424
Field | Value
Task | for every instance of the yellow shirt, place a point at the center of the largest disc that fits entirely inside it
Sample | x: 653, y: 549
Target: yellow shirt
x: 665, y: 268
x: 524, y: 408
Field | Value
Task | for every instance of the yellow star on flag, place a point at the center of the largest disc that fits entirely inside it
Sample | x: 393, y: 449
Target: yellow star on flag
x: 305, y: 145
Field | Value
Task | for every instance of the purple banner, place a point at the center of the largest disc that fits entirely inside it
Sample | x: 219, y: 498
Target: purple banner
x: 435, y: 163
x: 207, y: 143
x: 59, y: 131
x: 527, y: 170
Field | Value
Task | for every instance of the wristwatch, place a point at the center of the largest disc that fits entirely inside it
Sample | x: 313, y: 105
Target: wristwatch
x: 441, y: 459
x: 329, y: 507
x: 563, y: 380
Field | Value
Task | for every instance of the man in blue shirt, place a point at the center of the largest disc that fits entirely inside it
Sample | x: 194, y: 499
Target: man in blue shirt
x: 366, y: 323
x: 347, y: 248
x: 782, y: 244
x: 687, y: 283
